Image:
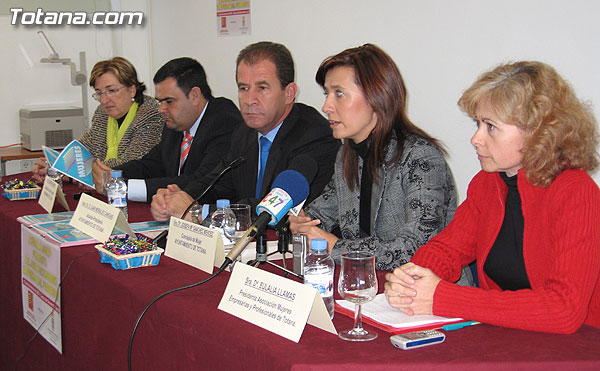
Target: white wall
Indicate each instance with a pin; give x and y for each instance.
(440, 47)
(26, 81)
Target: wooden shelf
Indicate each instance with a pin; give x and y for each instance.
(18, 153)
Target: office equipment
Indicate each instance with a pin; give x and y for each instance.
(53, 127)
(56, 127)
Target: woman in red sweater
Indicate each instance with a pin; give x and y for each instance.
(531, 218)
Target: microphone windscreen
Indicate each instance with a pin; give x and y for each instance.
(294, 183)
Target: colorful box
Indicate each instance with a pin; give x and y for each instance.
(22, 193)
(142, 259)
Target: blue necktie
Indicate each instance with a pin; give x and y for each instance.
(265, 146)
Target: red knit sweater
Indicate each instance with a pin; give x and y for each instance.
(561, 249)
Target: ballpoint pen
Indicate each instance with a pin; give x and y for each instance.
(456, 326)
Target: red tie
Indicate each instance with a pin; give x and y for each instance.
(186, 143)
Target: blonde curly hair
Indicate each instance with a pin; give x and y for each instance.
(559, 130)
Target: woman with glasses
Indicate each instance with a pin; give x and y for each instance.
(126, 124)
(392, 189)
(531, 218)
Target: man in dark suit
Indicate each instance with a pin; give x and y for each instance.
(197, 134)
(279, 134)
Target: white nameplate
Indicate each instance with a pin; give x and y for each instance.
(195, 245)
(98, 219)
(50, 191)
(274, 303)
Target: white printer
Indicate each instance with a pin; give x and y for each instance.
(52, 127)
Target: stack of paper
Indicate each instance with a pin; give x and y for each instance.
(56, 228)
(29, 220)
(379, 313)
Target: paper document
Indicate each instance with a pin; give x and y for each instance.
(379, 310)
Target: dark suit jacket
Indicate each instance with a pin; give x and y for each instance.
(304, 135)
(211, 143)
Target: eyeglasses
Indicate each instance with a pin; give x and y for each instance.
(108, 92)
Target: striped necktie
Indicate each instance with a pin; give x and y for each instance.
(186, 144)
(265, 146)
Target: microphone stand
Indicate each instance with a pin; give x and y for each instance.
(233, 164)
(283, 234)
(296, 188)
(163, 235)
(283, 238)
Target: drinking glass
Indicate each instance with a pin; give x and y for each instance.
(242, 221)
(358, 285)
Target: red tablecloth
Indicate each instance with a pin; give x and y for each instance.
(185, 330)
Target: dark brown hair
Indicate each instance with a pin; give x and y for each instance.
(383, 87)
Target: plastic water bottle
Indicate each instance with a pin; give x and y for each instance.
(53, 174)
(318, 272)
(223, 220)
(116, 190)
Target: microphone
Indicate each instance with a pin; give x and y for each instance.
(290, 188)
(158, 239)
(231, 165)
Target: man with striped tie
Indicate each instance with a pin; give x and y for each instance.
(197, 134)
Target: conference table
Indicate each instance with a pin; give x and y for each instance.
(186, 331)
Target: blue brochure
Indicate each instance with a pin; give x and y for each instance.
(75, 161)
(51, 154)
(56, 228)
(30, 220)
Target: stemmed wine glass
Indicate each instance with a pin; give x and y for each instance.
(242, 221)
(358, 285)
